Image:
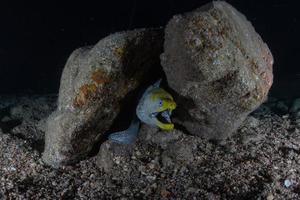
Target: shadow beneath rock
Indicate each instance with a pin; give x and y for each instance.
(122, 121)
(182, 128)
(8, 125)
(128, 107)
(184, 104)
(38, 145)
(5, 112)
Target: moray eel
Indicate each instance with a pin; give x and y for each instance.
(154, 108)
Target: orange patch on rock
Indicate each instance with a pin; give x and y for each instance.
(100, 77)
(85, 92)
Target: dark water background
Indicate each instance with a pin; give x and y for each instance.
(37, 38)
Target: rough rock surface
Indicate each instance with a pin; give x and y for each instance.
(260, 162)
(218, 66)
(94, 82)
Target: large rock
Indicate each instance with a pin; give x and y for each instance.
(218, 66)
(94, 81)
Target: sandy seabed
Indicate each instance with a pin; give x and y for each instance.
(261, 161)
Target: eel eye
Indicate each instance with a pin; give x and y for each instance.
(160, 102)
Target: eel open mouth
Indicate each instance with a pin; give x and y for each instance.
(164, 119)
(164, 116)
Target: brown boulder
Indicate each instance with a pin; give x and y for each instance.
(218, 66)
(94, 81)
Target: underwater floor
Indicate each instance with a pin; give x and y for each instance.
(261, 161)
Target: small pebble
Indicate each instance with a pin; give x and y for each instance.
(287, 183)
(270, 197)
(165, 193)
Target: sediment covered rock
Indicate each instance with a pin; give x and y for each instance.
(218, 66)
(93, 84)
(174, 147)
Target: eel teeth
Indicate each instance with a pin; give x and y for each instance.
(152, 115)
(166, 114)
